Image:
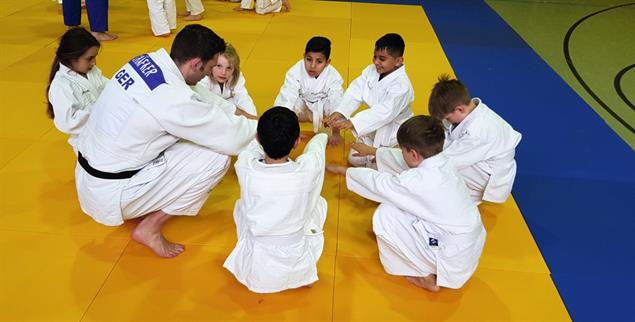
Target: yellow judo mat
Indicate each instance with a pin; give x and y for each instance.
(56, 264)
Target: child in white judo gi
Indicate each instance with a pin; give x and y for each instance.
(227, 81)
(263, 6)
(153, 148)
(427, 227)
(74, 82)
(385, 88)
(193, 10)
(280, 214)
(478, 141)
(162, 16)
(313, 87)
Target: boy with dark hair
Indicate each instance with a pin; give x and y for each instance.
(478, 141)
(313, 87)
(427, 228)
(152, 147)
(280, 214)
(385, 88)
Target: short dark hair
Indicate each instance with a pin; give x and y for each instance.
(447, 94)
(319, 44)
(278, 129)
(423, 134)
(196, 41)
(392, 43)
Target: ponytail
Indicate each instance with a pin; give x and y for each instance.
(54, 68)
(74, 43)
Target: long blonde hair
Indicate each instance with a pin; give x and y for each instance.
(233, 58)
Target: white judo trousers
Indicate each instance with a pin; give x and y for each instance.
(389, 102)
(262, 6)
(72, 96)
(483, 147)
(148, 119)
(162, 16)
(279, 219)
(194, 7)
(426, 222)
(320, 95)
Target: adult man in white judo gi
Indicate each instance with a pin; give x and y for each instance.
(153, 147)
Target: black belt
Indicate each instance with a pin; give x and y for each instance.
(103, 175)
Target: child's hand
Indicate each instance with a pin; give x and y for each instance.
(333, 118)
(335, 139)
(304, 137)
(363, 149)
(240, 112)
(336, 168)
(342, 125)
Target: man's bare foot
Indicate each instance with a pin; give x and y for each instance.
(183, 14)
(286, 5)
(193, 17)
(103, 36)
(148, 232)
(428, 283)
(239, 8)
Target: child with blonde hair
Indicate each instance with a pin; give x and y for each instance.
(227, 81)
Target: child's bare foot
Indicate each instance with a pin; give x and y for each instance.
(193, 17)
(305, 116)
(103, 36)
(428, 283)
(286, 5)
(148, 232)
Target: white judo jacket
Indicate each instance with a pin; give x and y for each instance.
(144, 109)
(237, 95)
(389, 104)
(483, 147)
(72, 96)
(436, 203)
(320, 95)
(279, 217)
